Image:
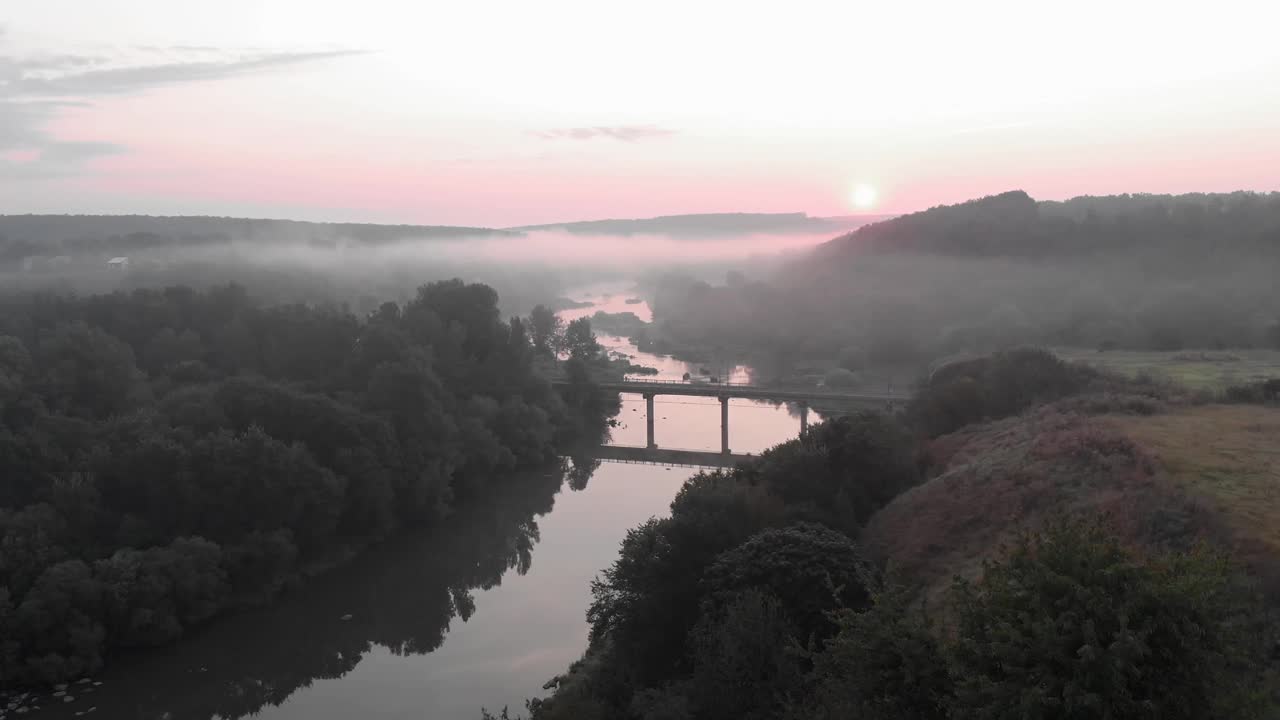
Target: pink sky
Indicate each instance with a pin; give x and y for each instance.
(570, 110)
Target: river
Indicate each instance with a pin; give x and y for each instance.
(480, 612)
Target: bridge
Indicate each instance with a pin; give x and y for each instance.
(650, 388)
(665, 456)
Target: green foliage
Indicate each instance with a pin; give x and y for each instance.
(1071, 625)
(546, 330)
(674, 572)
(142, 497)
(884, 663)
(744, 658)
(647, 601)
(710, 612)
(841, 471)
(810, 569)
(84, 370)
(1259, 393)
(580, 342)
(993, 387)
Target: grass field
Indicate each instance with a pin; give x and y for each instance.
(1196, 472)
(1227, 456)
(1209, 370)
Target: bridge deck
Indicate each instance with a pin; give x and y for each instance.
(748, 392)
(665, 456)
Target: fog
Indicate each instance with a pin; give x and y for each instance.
(1140, 272)
(280, 264)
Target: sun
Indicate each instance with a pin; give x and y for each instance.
(863, 196)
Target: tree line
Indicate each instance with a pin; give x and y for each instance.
(169, 454)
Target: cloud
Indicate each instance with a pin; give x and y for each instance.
(625, 133)
(134, 78)
(34, 89)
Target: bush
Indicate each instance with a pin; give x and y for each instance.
(812, 570)
(1071, 625)
(840, 472)
(744, 663)
(993, 387)
(884, 664)
(1258, 393)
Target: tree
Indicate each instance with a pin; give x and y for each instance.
(1070, 624)
(580, 342)
(744, 658)
(842, 471)
(545, 328)
(810, 569)
(884, 663)
(85, 371)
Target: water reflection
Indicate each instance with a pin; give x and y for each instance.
(401, 598)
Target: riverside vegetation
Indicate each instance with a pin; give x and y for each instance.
(1007, 548)
(168, 455)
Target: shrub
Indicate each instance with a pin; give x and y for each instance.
(1266, 391)
(743, 660)
(883, 664)
(993, 387)
(1071, 625)
(840, 472)
(810, 569)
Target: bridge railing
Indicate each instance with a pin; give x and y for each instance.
(640, 380)
(643, 380)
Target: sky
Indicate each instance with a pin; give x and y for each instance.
(506, 113)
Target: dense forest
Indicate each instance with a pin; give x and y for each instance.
(799, 584)
(168, 454)
(1129, 271)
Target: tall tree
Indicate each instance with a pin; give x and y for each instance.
(545, 327)
(580, 342)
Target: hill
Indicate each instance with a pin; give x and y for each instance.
(1015, 225)
(1182, 474)
(28, 235)
(712, 225)
(1133, 272)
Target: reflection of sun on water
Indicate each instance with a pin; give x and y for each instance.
(863, 196)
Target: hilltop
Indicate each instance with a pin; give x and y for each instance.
(1013, 224)
(1132, 272)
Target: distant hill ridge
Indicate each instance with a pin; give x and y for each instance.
(1014, 224)
(33, 235)
(711, 224)
(81, 232)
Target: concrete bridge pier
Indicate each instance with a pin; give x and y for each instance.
(648, 420)
(724, 424)
(804, 417)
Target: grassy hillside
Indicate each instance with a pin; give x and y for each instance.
(1166, 476)
(1227, 459)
